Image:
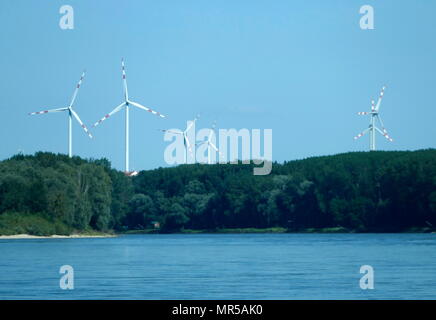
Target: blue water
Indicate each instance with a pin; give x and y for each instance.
(213, 266)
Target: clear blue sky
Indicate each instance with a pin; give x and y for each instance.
(302, 68)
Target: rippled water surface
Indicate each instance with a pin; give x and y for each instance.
(221, 266)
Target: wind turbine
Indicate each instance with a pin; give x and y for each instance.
(127, 102)
(372, 128)
(71, 113)
(210, 144)
(186, 143)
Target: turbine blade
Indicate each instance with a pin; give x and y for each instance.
(382, 92)
(381, 122)
(77, 88)
(109, 114)
(81, 123)
(388, 137)
(146, 109)
(385, 134)
(188, 144)
(212, 131)
(361, 134)
(215, 148)
(171, 131)
(48, 111)
(192, 123)
(362, 113)
(123, 70)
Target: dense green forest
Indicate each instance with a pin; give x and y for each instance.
(378, 191)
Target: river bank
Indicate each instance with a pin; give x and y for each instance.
(191, 231)
(273, 230)
(57, 236)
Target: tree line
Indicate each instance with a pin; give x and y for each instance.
(382, 191)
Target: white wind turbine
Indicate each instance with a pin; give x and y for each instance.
(71, 113)
(186, 142)
(372, 128)
(210, 144)
(127, 102)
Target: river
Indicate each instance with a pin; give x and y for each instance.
(221, 266)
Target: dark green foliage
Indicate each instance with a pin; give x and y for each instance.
(35, 224)
(72, 192)
(361, 191)
(175, 219)
(142, 212)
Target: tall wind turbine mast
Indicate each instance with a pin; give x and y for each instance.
(126, 104)
(71, 114)
(372, 128)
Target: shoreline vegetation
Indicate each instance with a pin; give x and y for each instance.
(278, 230)
(271, 230)
(49, 194)
(56, 236)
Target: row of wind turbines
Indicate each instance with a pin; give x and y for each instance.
(127, 103)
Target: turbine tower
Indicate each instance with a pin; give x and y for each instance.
(71, 114)
(372, 128)
(210, 144)
(126, 104)
(186, 143)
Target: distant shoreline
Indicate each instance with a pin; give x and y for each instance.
(272, 230)
(218, 231)
(55, 236)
